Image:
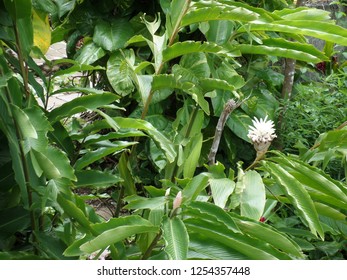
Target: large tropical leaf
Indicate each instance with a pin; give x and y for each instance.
(12, 220)
(268, 234)
(113, 35)
(298, 196)
(202, 247)
(318, 29)
(222, 12)
(117, 230)
(252, 199)
(71, 209)
(100, 153)
(176, 238)
(54, 163)
(221, 189)
(95, 179)
(284, 48)
(252, 248)
(18, 8)
(81, 104)
(42, 31)
(120, 71)
(181, 48)
(313, 177)
(90, 53)
(162, 142)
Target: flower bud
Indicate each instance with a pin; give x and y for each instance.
(177, 201)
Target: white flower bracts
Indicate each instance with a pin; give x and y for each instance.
(261, 134)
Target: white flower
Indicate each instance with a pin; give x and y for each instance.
(262, 131)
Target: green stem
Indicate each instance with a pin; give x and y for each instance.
(154, 243)
(23, 68)
(49, 84)
(119, 202)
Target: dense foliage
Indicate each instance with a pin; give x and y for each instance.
(160, 134)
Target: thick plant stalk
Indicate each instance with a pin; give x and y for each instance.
(230, 106)
(289, 71)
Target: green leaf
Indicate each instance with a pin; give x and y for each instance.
(81, 104)
(253, 196)
(76, 213)
(144, 86)
(76, 68)
(51, 246)
(18, 8)
(298, 196)
(24, 123)
(202, 247)
(318, 29)
(54, 164)
(192, 154)
(330, 212)
(210, 84)
(335, 139)
(100, 153)
(209, 212)
(162, 142)
(270, 235)
(5, 78)
(121, 133)
(125, 173)
(74, 248)
(117, 230)
(195, 187)
(176, 238)
(64, 6)
(181, 48)
(80, 89)
(113, 35)
(221, 189)
(139, 202)
(96, 179)
(218, 31)
(252, 248)
(12, 220)
(223, 12)
(239, 123)
(283, 48)
(303, 13)
(61, 137)
(178, 9)
(120, 71)
(90, 53)
(314, 178)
